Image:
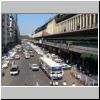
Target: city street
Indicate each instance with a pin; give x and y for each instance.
(26, 75)
(61, 50)
(32, 78)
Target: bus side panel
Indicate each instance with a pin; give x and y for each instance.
(45, 71)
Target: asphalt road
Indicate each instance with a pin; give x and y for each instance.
(26, 76)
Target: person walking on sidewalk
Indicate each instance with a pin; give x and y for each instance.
(64, 83)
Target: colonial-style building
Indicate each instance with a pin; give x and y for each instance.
(73, 35)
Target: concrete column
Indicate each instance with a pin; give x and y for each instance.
(80, 22)
(62, 27)
(59, 28)
(56, 29)
(72, 24)
(66, 26)
(69, 25)
(83, 21)
(94, 20)
(71, 57)
(90, 21)
(86, 20)
(75, 23)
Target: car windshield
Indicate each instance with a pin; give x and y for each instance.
(34, 65)
(14, 69)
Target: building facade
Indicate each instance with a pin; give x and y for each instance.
(72, 36)
(10, 30)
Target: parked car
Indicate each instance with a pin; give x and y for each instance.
(31, 54)
(5, 64)
(34, 66)
(14, 70)
(65, 66)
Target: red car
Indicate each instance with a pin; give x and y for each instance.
(31, 54)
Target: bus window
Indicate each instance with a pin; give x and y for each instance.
(56, 68)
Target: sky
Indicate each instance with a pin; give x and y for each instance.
(29, 22)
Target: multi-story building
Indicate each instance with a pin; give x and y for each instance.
(10, 31)
(73, 37)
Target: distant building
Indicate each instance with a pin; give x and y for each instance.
(10, 30)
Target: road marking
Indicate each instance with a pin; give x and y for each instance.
(37, 84)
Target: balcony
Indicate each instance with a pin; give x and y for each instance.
(10, 29)
(3, 24)
(3, 17)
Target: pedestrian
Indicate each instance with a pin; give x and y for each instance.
(51, 83)
(79, 77)
(65, 83)
(67, 61)
(73, 84)
(56, 83)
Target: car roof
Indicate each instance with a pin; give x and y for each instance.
(34, 64)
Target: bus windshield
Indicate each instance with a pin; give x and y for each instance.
(56, 68)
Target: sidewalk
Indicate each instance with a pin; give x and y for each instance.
(83, 78)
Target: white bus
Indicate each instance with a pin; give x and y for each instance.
(52, 69)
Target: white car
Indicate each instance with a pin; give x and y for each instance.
(5, 64)
(27, 56)
(34, 66)
(65, 66)
(41, 53)
(14, 70)
(17, 56)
